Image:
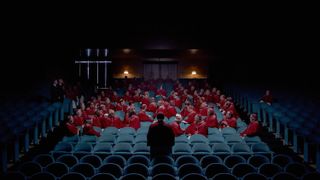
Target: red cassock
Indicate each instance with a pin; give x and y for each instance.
(171, 111)
(127, 98)
(190, 117)
(133, 122)
(232, 122)
(252, 129)
(145, 100)
(212, 122)
(176, 129)
(78, 120)
(88, 130)
(144, 117)
(267, 98)
(178, 103)
(203, 111)
(96, 121)
(152, 107)
(72, 129)
(200, 128)
(184, 112)
(216, 98)
(137, 98)
(113, 122)
(161, 92)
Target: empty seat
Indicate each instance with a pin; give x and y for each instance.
(162, 159)
(215, 168)
(164, 176)
(224, 176)
(215, 138)
(137, 168)
(201, 149)
(186, 159)
(117, 159)
(284, 175)
(232, 160)
(43, 176)
(214, 131)
(269, 169)
(252, 139)
(73, 176)
(142, 131)
(233, 139)
(192, 176)
(30, 168)
(261, 148)
(311, 176)
(258, 160)
(82, 149)
(68, 159)
(107, 139)
(111, 168)
(138, 159)
(102, 149)
(88, 139)
(131, 176)
(110, 130)
(84, 168)
(43, 159)
(241, 149)
(281, 159)
(127, 131)
(71, 139)
(94, 160)
(103, 176)
(15, 175)
(125, 138)
(141, 148)
(141, 138)
(58, 169)
(296, 169)
(208, 159)
(181, 139)
(62, 148)
(189, 168)
(228, 131)
(221, 149)
(242, 169)
(198, 138)
(123, 149)
(181, 149)
(163, 168)
(254, 176)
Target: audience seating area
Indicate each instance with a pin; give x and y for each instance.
(293, 118)
(123, 153)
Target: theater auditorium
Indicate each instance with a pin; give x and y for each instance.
(237, 100)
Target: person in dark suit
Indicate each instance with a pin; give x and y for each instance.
(160, 138)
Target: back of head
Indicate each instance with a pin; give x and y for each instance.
(160, 118)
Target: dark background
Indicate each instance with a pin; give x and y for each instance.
(275, 48)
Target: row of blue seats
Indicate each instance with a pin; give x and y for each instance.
(91, 165)
(28, 127)
(196, 138)
(299, 118)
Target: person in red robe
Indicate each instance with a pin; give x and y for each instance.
(267, 98)
(132, 120)
(253, 128)
(71, 127)
(89, 130)
(112, 120)
(152, 107)
(78, 119)
(211, 120)
(203, 111)
(175, 126)
(197, 127)
(143, 116)
(228, 121)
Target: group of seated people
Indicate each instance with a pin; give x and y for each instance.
(197, 110)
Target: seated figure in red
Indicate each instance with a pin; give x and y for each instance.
(253, 128)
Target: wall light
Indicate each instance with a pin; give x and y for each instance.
(125, 72)
(193, 51)
(127, 50)
(193, 72)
